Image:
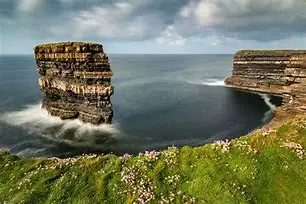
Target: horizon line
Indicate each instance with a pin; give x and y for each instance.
(137, 53)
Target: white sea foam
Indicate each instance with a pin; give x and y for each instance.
(207, 82)
(267, 99)
(34, 119)
(268, 114)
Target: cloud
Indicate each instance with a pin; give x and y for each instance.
(170, 37)
(117, 20)
(29, 5)
(167, 23)
(261, 20)
(66, 2)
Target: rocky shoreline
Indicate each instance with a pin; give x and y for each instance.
(276, 72)
(76, 80)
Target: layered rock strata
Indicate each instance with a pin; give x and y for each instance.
(76, 80)
(279, 72)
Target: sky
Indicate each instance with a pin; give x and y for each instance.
(154, 26)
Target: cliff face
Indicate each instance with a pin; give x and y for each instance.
(76, 79)
(281, 72)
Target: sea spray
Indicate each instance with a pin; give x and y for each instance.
(269, 114)
(207, 82)
(37, 121)
(267, 100)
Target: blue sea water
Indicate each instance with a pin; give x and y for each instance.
(159, 101)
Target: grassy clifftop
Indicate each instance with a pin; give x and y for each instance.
(269, 52)
(266, 166)
(55, 44)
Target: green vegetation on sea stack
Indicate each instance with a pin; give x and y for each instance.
(267, 166)
(265, 52)
(47, 45)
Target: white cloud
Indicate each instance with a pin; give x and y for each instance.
(207, 13)
(221, 40)
(66, 2)
(173, 23)
(261, 20)
(117, 20)
(29, 6)
(170, 37)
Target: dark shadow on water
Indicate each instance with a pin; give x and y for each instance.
(152, 108)
(196, 122)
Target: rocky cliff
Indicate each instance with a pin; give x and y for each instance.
(76, 80)
(280, 72)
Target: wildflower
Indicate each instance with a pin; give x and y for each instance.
(170, 155)
(138, 184)
(245, 146)
(125, 157)
(225, 145)
(173, 179)
(297, 148)
(4, 150)
(152, 156)
(302, 125)
(65, 161)
(266, 131)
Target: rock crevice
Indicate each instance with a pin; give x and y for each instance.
(76, 80)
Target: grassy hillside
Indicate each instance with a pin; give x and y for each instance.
(267, 166)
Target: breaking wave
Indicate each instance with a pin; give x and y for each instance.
(207, 82)
(36, 121)
(269, 114)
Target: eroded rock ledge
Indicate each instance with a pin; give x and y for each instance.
(76, 79)
(280, 72)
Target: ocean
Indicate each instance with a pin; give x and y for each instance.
(159, 101)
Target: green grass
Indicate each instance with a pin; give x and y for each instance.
(257, 168)
(55, 44)
(270, 51)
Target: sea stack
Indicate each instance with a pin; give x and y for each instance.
(76, 80)
(279, 72)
